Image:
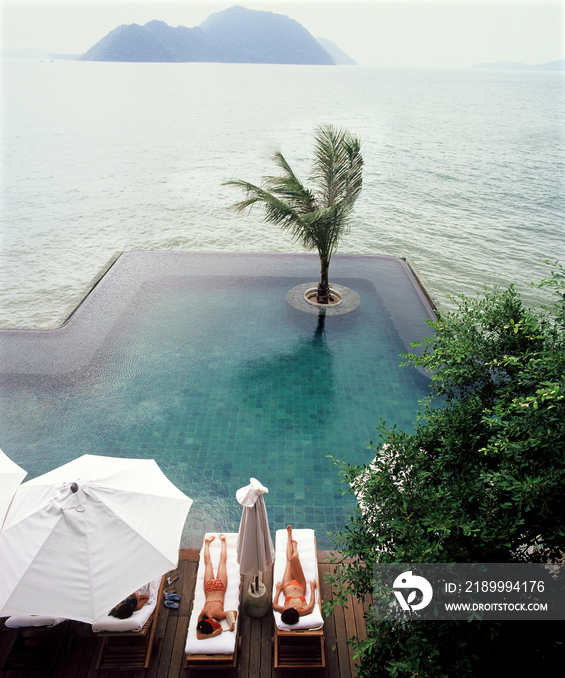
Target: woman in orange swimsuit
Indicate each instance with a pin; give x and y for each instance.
(215, 589)
(293, 586)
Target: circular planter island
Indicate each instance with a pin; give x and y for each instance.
(303, 298)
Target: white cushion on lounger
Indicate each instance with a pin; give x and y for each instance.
(224, 643)
(309, 561)
(138, 619)
(23, 621)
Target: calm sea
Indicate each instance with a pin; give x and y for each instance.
(464, 169)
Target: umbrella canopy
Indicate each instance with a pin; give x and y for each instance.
(79, 539)
(254, 549)
(11, 475)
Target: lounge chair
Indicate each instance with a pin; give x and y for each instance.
(302, 644)
(36, 642)
(128, 643)
(219, 652)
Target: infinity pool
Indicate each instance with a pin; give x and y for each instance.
(198, 361)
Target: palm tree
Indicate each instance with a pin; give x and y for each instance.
(320, 217)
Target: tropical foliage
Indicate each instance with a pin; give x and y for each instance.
(319, 217)
(481, 478)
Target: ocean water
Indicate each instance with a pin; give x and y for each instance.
(464, 176)
(464, 170)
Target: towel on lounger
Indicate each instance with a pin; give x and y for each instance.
(138, 619)
(224, 643)
(25, 621)
(309, 560)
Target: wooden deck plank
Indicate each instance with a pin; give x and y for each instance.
(161, 669)
(245, 641)
(79, 652)
(361, 607)
(256, 651)
(267, 630)
(160, 635)
(176, 667)
(82, 650)
(350, 626)
(89, 662)
(332, 659)
(341, 639)
(344, 620)
(188, 567)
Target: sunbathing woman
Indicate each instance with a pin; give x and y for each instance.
(215, 589)
(131, 604)
(293, 586)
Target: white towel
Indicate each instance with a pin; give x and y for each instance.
(309, 560)
(224, 643)
(24, 621)
(137, 620)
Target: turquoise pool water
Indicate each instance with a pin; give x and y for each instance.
(199, 362)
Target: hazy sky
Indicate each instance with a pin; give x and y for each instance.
(385, 33)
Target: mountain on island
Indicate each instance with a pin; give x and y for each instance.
(339, 57)
(516, 66)
(235, 35)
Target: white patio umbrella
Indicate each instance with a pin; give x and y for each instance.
(254, 548)
(11, 475)
(79, 539)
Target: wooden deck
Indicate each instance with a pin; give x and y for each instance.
(76, 657)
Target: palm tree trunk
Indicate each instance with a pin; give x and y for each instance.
(323, 296)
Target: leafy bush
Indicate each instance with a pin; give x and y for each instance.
(480, 479)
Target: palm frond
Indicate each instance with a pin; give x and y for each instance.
(319, 218)
(277, 211)
(289, 187)
(338, 166)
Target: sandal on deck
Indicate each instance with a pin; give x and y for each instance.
(172, 596)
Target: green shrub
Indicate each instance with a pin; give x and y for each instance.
(480, 479)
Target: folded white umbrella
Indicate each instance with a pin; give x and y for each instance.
(11, 475)
(254, 549)
(79, 539)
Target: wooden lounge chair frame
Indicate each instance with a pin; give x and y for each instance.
(125, 654)
(301, 648)
(36, 647)
(214, 661)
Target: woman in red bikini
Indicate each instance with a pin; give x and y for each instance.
(293, 586)
(215, 589)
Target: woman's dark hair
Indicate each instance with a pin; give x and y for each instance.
(290, 616)
(125, 609)
(204, 626)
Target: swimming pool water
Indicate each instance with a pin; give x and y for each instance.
(201, 364)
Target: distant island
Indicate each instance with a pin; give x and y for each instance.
(339, 57)
(235, 35)
(515, 66)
